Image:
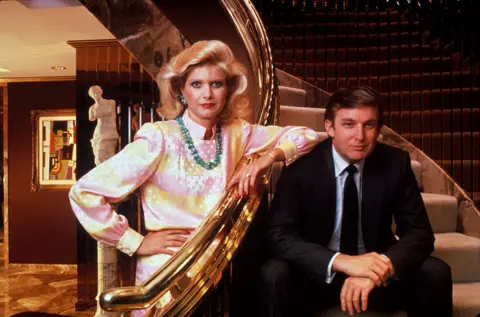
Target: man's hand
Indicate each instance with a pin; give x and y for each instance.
(156, 242)
(354, 294)
(372, 265)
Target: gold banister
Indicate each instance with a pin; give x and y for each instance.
(222, 231)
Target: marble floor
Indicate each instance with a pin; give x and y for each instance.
(45, 289)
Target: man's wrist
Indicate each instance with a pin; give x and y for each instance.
(338, 264)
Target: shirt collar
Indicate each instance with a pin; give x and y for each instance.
(196, 130)
(341, 164)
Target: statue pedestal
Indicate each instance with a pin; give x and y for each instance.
(107, 274)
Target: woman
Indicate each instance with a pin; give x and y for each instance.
(182, 165)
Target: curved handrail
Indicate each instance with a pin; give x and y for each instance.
(221, 232)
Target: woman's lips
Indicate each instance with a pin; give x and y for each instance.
(207, 105)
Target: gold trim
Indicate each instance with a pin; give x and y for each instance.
(94, 43)
(35, 115)
(254, 35)
(5, 175)
(37, 79)
(63, 268)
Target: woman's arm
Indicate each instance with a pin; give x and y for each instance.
(91, 113)
(111, 182)
(293, 141)
(274, 144)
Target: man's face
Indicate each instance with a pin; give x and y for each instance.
(354, 132)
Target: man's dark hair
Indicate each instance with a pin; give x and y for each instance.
(354, 97)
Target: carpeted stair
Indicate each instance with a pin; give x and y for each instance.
(461, 252)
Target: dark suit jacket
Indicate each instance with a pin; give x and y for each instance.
(302, 215)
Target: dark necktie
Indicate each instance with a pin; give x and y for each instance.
(349, 234)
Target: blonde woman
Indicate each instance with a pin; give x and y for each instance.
(183, 166)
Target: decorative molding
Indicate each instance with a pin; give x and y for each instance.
(94, 43)
(5, 174)
(63, 268)
(36, 79)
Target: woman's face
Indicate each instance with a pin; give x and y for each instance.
(205, 90)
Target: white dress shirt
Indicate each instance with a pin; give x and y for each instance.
(340, 178)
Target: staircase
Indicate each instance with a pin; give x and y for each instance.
(460, 251)
(431, 94)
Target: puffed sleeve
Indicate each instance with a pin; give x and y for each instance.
(111, 182)
(294, 141)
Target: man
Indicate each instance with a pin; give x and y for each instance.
(330, 225)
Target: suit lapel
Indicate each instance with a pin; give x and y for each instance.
(325, 193)
(372, 193)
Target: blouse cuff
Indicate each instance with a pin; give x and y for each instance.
(290, 150)
(129, 242)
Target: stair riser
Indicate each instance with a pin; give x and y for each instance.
(466, 302)
(292, 97)
(442, 212)
(462, 263)
(309, 117)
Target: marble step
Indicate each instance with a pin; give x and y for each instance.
(466, 299)
(313, 118)
(462, 253)
(290, 96)
(417, 170)
(442, 211)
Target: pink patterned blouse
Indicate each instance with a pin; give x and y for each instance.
(175, 190)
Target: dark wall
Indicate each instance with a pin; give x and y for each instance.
(42, 227)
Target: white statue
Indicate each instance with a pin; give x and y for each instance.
(104, 144)
(105, 137)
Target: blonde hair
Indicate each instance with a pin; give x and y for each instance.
(172, 77)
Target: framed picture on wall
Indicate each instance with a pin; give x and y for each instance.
(54, 156)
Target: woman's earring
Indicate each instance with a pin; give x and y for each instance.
(182, 99)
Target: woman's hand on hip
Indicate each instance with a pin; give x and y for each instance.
(156, 242)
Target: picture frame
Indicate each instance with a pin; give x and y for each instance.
(54, 149)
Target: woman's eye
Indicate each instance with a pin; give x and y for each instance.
(195, 84)
(217, 84)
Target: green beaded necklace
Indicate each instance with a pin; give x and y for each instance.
(218, 155)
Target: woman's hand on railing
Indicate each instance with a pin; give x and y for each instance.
(156, 242)
(246, 178)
